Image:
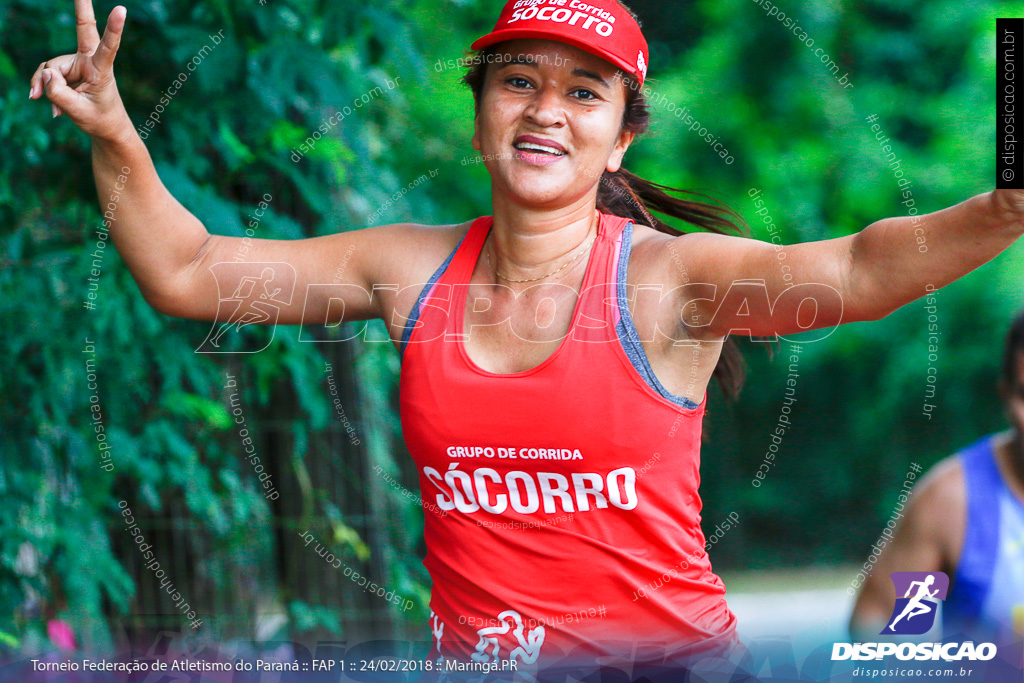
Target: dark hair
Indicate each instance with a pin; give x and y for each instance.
(1014, 347)
(625, 194)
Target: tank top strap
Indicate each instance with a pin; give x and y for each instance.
(599, 308)
(984, 488)
(611, 226)
(461, 268)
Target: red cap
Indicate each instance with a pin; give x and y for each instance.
(601, 27)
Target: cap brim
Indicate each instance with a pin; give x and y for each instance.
(520, 33)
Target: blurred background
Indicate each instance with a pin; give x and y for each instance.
(69, 574)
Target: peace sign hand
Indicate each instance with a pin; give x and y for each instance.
(82, 85)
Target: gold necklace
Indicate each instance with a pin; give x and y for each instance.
(534, 279)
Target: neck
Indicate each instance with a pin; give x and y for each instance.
(528, 241)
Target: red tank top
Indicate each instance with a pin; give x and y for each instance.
(562, 517)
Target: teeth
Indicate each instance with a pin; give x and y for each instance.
(539, 148)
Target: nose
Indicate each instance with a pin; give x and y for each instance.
(545, 108)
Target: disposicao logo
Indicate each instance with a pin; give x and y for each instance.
(914, 613)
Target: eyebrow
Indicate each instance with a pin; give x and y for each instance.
(578, 71)
(589, 74)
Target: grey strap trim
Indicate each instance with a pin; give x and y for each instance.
(627, 333)
(415, 314)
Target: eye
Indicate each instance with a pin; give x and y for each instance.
(585, 94)
(518, 82)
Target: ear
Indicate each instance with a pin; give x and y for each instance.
(619, 151)
(475, 141)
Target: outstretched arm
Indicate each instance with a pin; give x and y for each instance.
(865, 276)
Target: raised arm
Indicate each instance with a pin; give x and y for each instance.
(168, 250)
(865, 276)
(171, 255)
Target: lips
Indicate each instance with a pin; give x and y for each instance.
(535, 145)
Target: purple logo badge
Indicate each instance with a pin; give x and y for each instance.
(914, 612)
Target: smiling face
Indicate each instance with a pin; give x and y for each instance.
(549, 122)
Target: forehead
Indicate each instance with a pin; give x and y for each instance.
(552, 53)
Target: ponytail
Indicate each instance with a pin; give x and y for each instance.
(630, 196)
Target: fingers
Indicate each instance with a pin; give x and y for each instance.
(85, 24)
(103, 59)
(35, 88)
(62, 96)
(62, 64)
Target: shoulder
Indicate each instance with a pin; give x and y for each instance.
(942, 486)
(411, 252)
(673, 263)
(645, 237)
(946, 484)
(650, 257)
(937, 508)
(415, 236)
(677, 258)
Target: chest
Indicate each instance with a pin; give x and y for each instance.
(514, 328)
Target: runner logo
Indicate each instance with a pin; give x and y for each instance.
(257, 293)
(523, 644)
(914, 613)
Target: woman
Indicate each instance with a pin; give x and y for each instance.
(561, 438)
